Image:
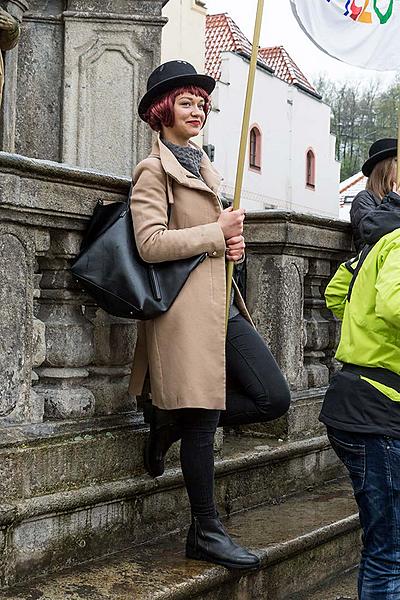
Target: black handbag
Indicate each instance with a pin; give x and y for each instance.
(111, 271)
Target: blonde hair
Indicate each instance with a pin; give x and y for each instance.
(381, 180)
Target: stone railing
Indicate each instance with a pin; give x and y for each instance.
(63, 358)
(291, 258)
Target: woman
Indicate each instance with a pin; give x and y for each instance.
(193, 366)
(381, 170)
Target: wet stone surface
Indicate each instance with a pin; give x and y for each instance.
(342, 588)
(159, 570)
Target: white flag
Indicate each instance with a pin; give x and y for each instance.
(364, 33)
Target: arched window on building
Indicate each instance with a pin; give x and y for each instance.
(310, 169)
(255, 149)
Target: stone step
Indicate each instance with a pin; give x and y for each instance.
(47, 532)
(343, 587)
(54, 457)
(302, 542)
(50, 457)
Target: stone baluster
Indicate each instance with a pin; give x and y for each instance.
(317, 321)
(21, 334)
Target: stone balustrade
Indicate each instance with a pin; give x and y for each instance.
(63, 358)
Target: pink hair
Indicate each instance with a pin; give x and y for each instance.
(161, 112)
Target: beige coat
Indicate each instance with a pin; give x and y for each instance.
(185, 347)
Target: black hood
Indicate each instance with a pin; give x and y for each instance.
(384, 219)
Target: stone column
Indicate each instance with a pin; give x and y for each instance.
(84, 66)
(275, 297)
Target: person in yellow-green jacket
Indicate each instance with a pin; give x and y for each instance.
(361, 409)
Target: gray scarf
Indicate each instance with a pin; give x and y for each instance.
(188, 156)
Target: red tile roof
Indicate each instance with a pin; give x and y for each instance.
(284, 67)
(223, 35)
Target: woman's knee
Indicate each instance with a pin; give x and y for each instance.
(275, 402)
(281, 401)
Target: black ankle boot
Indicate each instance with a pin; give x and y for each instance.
(207, 540)
(164, 431)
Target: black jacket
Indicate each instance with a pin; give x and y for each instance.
(362, 205)
(383, 220)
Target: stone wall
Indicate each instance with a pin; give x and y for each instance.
(76, 78)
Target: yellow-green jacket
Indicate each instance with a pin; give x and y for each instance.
(371, 320)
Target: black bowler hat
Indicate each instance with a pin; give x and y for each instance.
(379, 150)
(169, 76)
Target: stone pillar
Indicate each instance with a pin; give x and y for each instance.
(84, 66)
(275, 296)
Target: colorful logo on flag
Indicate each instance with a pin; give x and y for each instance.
(364, 33)
(368, 11)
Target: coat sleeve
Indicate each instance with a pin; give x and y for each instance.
(337, 290)
(361, 207)
(388, 289)
(155, 242)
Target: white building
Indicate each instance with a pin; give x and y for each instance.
(290, 160)
(184, 36)
(348, 190)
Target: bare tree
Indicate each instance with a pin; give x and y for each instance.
(360, 115)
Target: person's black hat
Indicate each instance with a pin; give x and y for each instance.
(379, 150)
(169, 76)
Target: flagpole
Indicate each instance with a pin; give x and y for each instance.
(244, 138)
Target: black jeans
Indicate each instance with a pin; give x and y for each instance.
(256, 392)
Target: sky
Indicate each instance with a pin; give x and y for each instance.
(280, 28)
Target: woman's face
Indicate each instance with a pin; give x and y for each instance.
(189, 118)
